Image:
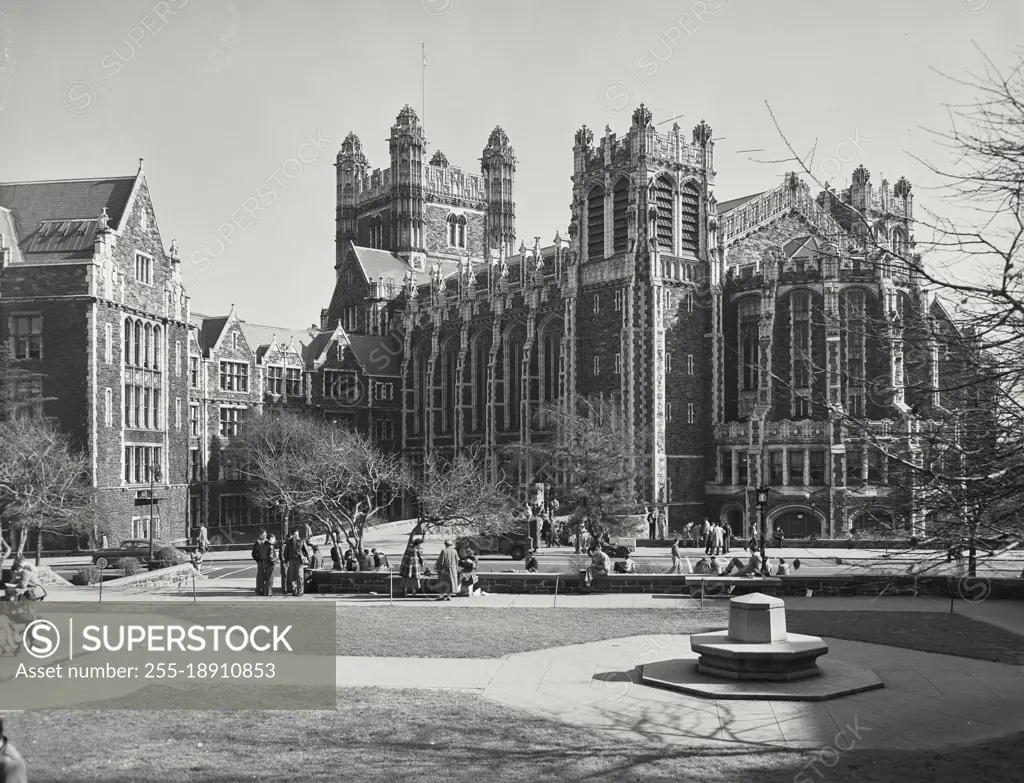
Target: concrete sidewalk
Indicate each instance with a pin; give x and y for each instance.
(1005, 614)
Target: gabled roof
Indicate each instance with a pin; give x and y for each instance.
(318, 345)
(726, 206)
(261, 337)
(377, 355)
(56, 220)
(796, 244)
(209, 330)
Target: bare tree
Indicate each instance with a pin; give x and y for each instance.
(598, 456)
(456, 497)
(43, 479)
(957, 447)
(329, 474)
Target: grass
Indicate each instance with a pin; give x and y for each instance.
(389, 735)
(455, 631)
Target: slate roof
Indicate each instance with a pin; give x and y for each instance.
(56, 220)
(377, 355)
(728, 206)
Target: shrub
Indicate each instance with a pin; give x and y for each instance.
(86, 576)
(131, 566)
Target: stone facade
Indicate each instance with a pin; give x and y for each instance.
(88, 263)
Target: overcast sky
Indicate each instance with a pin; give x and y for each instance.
(224, 98)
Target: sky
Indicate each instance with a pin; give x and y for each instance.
(223, 98)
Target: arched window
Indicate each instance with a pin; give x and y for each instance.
(661, 193)
(552, 365)
(147, 361)
(461, 233)
(800, 340)
(481, 357)
(514, 381)
(449, 390)
(139, 345)
(127, 347)
(595, 224)
(452, 234)
(620, 208)
(156, 348)
(689, 214)
(749, 337)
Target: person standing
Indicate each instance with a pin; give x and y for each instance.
(717, 539)
(268, 559)
(204, 538)
(706, 536)
(411, 569)
(296, 555)
(447, 571)
(652, 523)
(256, 550)
(726, 537)
(545, 531)
(779, 537)
(677, 558)
(662, 525)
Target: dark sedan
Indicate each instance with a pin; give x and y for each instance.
(138, 549)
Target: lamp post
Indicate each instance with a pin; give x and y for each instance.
(154, 474)
(762, 508)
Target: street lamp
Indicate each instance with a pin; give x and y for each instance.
(762, 508)
(154, 474)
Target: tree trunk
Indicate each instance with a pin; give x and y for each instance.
(972, 559)
(39, 547)
(284, 566)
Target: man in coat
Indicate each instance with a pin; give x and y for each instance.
(706, 536)
(296, 555)
(268, 559)
(411, 569)
(447, 571)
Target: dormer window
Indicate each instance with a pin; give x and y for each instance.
(457, 230)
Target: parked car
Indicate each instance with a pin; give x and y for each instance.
(138, 549)
(512, 544)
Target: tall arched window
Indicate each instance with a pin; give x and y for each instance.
(147, 360)
(595, 224)
(620, 209)
(156, 348)
(139, 345)
(514, 380)
(661, 193)
(689, 214)
(449, 390)
(481, 356)
(461, 234)
(128, 341)
(552, 365)
(800, 340)
(420, 386)
(749, 374)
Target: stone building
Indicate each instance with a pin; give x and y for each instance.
(748, 335)
(770, 340)
(92, 303)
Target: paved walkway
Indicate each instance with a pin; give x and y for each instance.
(929, 701)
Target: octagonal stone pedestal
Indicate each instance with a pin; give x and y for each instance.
(758, 659)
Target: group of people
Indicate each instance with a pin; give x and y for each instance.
(456, 572)
(657, 523)
(25, 584)
(542, 525)
(296, 555)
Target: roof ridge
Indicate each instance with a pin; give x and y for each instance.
(71, 179)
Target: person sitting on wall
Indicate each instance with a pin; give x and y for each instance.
(599, 565)
(702, 567)
(531, 561)
(752, 567)
(714, 567)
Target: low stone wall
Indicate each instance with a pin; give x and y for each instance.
(975, 589)
(162, 577)
(46, 575)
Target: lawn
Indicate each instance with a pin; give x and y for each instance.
(430, 735)
(467, 632)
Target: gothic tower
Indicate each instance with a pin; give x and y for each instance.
(407, 145)
(498, 166)
(352, 166)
